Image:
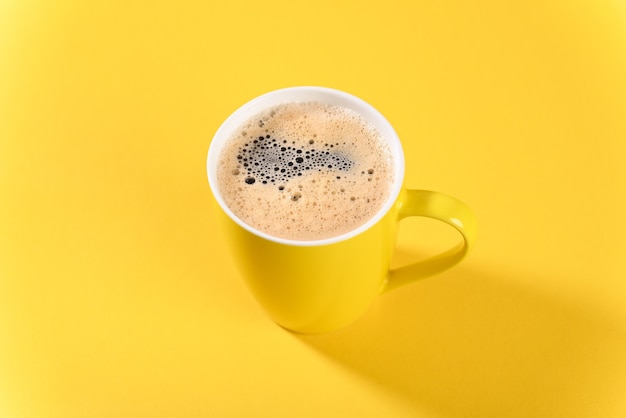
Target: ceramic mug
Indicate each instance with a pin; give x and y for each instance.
(323, 285)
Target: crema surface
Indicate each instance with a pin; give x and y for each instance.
(305, 171)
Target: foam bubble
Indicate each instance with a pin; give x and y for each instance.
(266, 159)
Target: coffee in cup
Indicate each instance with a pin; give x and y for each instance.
(336, 258)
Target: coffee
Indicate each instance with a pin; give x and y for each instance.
(305, 171)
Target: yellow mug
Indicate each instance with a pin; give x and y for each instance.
(324, 285)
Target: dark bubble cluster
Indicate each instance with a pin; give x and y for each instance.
(270, 160)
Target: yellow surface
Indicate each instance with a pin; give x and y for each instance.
(117, 297)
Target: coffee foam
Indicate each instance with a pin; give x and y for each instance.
(305, 171)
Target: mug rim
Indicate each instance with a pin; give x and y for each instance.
(307, 94)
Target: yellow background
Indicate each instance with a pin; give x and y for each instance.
(117, 298)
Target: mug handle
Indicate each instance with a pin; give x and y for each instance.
(443, 208)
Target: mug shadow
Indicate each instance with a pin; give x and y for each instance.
(473, 343)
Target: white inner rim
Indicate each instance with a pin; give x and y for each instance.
(307, 94)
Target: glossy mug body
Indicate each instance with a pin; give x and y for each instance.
(320, 286)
